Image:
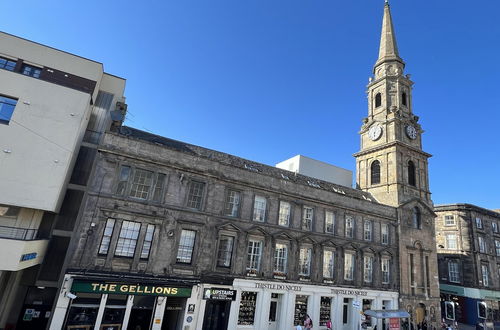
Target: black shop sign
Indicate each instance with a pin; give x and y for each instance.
(219, 294)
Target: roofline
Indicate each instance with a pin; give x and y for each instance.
(465, 206)
(62, 51)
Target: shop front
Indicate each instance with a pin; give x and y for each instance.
(114, 305)
(262, 305)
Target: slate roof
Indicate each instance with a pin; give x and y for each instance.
(245, 164)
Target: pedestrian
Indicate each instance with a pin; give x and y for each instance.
(329, 325)
(308, 323)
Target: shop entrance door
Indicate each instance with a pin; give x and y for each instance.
(274, 312)
(216, 315)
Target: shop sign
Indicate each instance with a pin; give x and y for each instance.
(350, 292)
(28, 256)
(356, 304)
(273, 286)
(393, 324)
(132, 289)
(219, 294)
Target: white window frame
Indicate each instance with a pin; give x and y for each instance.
(148, 241)
(449, 220)
(285, 212)
(225, 256)
(482, 244)
(349, 226)
(453, 271)
(497, 247)
(329, 222)
(280, 258)
(307, 218)
(106, 236)
(232, 205)
(259, 208)
(186, 245)
(349, 263)
(494, 226)
(485, 273)
(195, 194)
(368, 269)
(367, 230)
(385, 266)
(384, 229)
(479, 223)
(254, 255)
(127, 239)
(328, 264)
(305, 256)
(451, 241)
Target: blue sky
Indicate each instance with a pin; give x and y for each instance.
(269, 79)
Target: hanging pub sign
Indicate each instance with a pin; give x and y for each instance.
(219, 294)
(130, 289)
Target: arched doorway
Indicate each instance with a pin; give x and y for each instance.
(420, 313)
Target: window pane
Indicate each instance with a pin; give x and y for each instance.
(186, 245)
(305, 261)
(368, 269)
(368, 231)
(232, 203)
(259, 208)
(284, 214)
(453, 271)
(195, 195)
(225, 251)
(158, 191)
(307, 218)
(127, 239)
(7, 64)
(148, 239)
(328, 264)
(385, 234)
(329, 222)
(348, 266)
(106, 237)
(254, 253)
(349, 226)
(385, 271)
(141, 184)
(7, 106)
(280, 258)
(123, 179)
(248, 306)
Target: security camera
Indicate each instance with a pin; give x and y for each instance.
(70, 295)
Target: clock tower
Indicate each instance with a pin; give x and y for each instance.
(392, 166)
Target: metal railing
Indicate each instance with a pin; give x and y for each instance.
(18, 233)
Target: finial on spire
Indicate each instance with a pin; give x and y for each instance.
(388, 47)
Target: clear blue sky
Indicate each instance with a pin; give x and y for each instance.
(269, 79)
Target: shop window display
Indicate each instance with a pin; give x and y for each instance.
(248, 302)
(325, 310)
(114, 312)
(300, 309)
(83, 310)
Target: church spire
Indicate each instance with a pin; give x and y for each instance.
(388, 47)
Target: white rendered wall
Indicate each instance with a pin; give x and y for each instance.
(317, 169)
(39, 145)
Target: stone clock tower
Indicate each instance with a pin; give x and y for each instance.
(392, 166)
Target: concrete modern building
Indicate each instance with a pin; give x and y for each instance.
(468, 241)
(177, 236)
(53, 106)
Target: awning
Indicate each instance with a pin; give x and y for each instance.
(387, 313)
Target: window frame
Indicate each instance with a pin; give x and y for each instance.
(307, 218)
(122, 237)
(453, 274)
(447, 218)
(349, 229)
(147, 240)
(228, 254)
(479, 223)
(485, 275)
(262, 211)
(108, 236)
(352, 259)
(368, 230)
(231, 204)
(416, 218)
(9, 102)
(482, 244)
(251, 257)
(375, 173)
(412, 174)
(282, 215)
(385, 241)
(494, 226)
(385, 262)
(32, 71)
(191, 247)
(125, 180)
(195, 201)
(448, 241)
(331, 265)
(368, 271)
(280, 259)
(6, 66)
(305, 261)
(378, 100)
(330, 223)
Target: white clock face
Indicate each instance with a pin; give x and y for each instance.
(411, 132)
(375, 132)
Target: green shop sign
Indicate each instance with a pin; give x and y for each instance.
(130, 289)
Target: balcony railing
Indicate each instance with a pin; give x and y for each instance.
(18, 233)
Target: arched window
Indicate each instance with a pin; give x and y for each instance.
(375, 172)
(416, 221)
(378, 100)
(411, 174)
(403, 99)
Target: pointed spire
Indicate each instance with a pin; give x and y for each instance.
(388, 47)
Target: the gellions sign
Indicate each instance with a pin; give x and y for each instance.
(129, 289)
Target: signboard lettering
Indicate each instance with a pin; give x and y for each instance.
(136, 289)
(219, 294)
(350, 292)
(273, 286)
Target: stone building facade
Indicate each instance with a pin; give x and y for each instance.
(176, 236)
(468, 246)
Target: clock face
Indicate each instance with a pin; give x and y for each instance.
(411, 132)
(375, 132)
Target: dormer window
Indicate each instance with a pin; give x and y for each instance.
(404, 99)
(378, 100)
